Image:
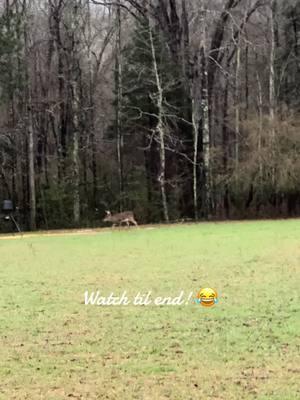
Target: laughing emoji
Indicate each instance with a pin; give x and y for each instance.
(207, 297)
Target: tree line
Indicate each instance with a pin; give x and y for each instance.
(176, 109)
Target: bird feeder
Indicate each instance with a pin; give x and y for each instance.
(8, 210)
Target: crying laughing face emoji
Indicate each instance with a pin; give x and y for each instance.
(207, 297)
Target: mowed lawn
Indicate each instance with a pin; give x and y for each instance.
(52, 346)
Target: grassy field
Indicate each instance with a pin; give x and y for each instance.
(53, 346)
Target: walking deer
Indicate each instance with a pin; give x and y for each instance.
(125, 216)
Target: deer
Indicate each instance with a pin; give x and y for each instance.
(125, 216)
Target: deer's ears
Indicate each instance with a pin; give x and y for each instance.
(107, 212)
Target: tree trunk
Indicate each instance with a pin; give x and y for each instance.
(237, 101)
(192, 89)
(31, 172)
(207, 196)
(29, 127)
(60, 133)
(246, 78)
(91, 122)
(225, 144)
(272, 71)
(160, 129)
(75, 158)
(75, 72)
(195, 122)
(118, 83)
(260, 128)
(272, 88)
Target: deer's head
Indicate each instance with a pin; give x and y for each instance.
(107, 217)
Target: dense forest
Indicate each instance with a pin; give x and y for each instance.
(175, 109)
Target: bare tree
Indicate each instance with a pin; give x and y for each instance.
(160, 127)
(118, 107)
(29, 120)
(207, 195)
(75, 9)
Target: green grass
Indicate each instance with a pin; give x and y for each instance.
(52, 346)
